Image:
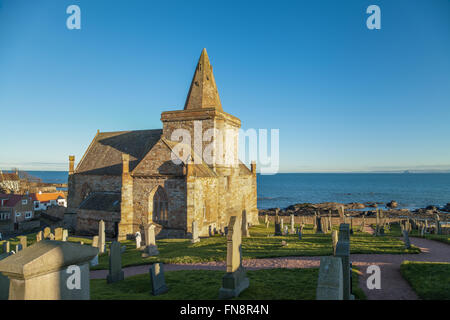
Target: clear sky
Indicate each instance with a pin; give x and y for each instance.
(344, 97)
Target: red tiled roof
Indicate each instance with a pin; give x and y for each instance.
(46, 197)
(11, 199)
(9, 177)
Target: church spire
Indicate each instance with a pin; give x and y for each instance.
(203, 91)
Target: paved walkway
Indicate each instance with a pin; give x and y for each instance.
(393, 286)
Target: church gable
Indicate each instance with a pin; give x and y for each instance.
(104, 155)
(158, 162)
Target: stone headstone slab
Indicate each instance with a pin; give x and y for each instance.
(115, 263)
(138, 239)
(58, 234)
(95, 241)
(157, 279)
(23, 241)
(4, 280)
(6, 247)
(235, 280)
(101, 236)
(330, 285)
(195, 237)
(47, 232)
(18, 247)
(39, 236)
(42, 271)
(65, 235)
(406, 239)
(94, 261)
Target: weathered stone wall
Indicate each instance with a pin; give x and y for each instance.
(88, 221)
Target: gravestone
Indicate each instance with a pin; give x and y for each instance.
(95, 242)
(51, 236)
(94, 261)
(437, 222)
(23, 241)
(245, 232)
(278, 229)
(282, 223)
(101, 236)
(343, 252)
(44, 270)
(150, 243)
(6, 247)
(319, 225)
(157, 279)
(330, 285)
(406, 239)
(267, 225)
(195, 237)
(18, 247)
(334, 239)
(47, 232)
(65, 235)
(58, 234)
(235, 280)
(266, 218)
(4, 281)
(39, 236)
(292, 230)
(138, 239)
(115, 263)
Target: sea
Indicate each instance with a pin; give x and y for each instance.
(410, 190)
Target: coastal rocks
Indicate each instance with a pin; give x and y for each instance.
(392, 204)
(446, 207)
(355, 205)
(371, 204)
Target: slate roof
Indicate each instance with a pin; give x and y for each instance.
(104, 155)
(9, 177)
(102, 201)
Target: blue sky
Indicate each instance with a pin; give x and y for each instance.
(344, 97)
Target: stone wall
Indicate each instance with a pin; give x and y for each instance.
(88, 221)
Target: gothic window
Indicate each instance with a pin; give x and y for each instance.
(160, 207)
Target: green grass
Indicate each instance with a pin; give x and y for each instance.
(396, 232)
(430, 280)
(261, 244)
(273, 284)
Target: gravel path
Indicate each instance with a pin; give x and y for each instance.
(393, 286)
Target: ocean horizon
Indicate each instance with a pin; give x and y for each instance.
(410, 190)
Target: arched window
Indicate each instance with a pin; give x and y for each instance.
(160, 207)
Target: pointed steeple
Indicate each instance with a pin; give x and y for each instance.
(203, 91)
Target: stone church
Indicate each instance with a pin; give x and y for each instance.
(130, 179)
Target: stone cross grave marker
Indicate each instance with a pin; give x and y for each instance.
(235, 280)
(157, 279)
(115, 263)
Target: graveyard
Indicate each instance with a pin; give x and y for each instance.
(267, 261)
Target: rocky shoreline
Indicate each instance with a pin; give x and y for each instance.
(355, 209)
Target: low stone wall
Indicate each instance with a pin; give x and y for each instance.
(29, 225)
(56, 211)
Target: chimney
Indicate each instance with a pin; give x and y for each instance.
(253, 167)
(71, 164)
(125, 163)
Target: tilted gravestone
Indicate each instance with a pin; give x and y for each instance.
(245, 232)
(23, 242)
(115, 263)
(343, 252)
(49, 270)
(150, 249)
(157, 279)
(195, 237)
(235, 280)
(330, 285)
(101, 236)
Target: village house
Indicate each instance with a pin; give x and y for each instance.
(129, 179)
(15, 209)
(41, 200)
(9, 182)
